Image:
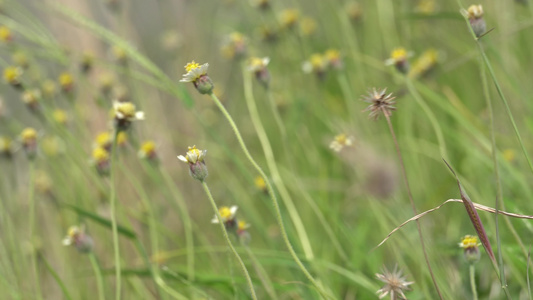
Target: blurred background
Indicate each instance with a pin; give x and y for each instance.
(335, 170)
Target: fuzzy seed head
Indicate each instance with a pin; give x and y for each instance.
(380, 102)
(395, 283)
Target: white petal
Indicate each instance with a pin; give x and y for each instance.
(214, 220)
(182, 158)
(233, 210)
(139, 115)
(67, 241)
(307, 67)
(266, 60)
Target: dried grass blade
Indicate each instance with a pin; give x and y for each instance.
(474, 217)
(477, 206)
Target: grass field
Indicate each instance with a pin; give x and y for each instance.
(275, 171)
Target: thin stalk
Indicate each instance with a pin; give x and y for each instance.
(56, 278)
(473, 281)
(112, 200)
(263, 275)
(276, 114)
(272, 195)
(98, 275)
(31, 221)
(230, 244)
(406, 181)
(271, 162)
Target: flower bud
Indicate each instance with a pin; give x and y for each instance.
(475, 17)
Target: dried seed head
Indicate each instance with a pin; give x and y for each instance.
(395, 283)
(380, 102)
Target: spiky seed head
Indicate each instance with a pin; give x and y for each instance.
(380, 102)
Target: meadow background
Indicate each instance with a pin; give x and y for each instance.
(336, 206)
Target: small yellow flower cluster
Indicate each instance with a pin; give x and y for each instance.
(260, 184)
(124, 113)
(469, 241)
(6, 146)
(289, 18)
(398, 58)
(197, 74)
(12, 76)
(77, 237)
(31, 99)
(228, 216)
(195, 159)
(60, 116)
(28, 139)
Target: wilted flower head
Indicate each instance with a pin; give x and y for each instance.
(234, 46)
(316, 64)
(259, 67)
(195, 159)
(475, 16)
(340, 142)
(289, 18)
(66, 82)
(227, 214)
(28, 138)
(197, 74)
(148, 151)
(12, 76)
(470, 244)
(395, 283)
(101, 160)
(380, 102)
(77, 237)
(398, 58)
(5, 34)
(124, 114)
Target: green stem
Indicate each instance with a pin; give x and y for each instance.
(98, 275)
(473, 281)
(410, 194)
(272, 197)
(112, 200)
(271, 162)
(31, 220)
(230, 244)
(56, 278)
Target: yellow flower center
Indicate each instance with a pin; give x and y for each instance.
(127, 109)
(194, 155)
(5, 33)
(475, 11)
(148, 147)
(100, 154)
(399, 54)
(12, 74)
(28, 135)
(341, 138)
(60, 116)
(225, 212)
(65, 79)
(317, 61)
(256, 62)
(469, 241)
(289, 17)
(332, 54)
(5, 144)
(242, 225)
(509, 155)
(260, 183)
(191, 66)
(103, 139)
(73, 231)
(122, 138)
